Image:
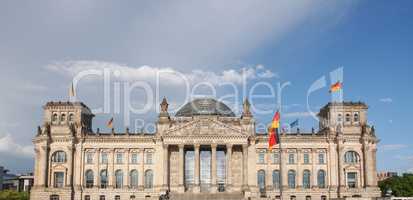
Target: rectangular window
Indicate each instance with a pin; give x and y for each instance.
(291, 159)
(89, 158)
(87, 197)
(306, 158)
(119, 158)
(134, 158)
(59, 179)
(104, 158)
(117, 197)
(102, 197)
(148, 158)
(352, 179)
(275, 158)
(261, 158)
(321, 158)
(54, 197)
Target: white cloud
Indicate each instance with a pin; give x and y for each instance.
(9, 146)
(392, 147)
(386, 100)
(167, 74)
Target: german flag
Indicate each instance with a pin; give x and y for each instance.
(110, 123)
(336, 87)
(273, 131)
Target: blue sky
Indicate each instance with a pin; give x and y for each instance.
(297, 42)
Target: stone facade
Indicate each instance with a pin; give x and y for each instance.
(73, 162)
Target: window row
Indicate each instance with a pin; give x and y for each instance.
(62, 118)
(120, 158)
(119, 175)
(275, 158)
(306, 179)
(349, 117)
(350, 157)
(87, 197)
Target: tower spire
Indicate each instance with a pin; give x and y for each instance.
(72, 93)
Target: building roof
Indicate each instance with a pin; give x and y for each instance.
(205, 106)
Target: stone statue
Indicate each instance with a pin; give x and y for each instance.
(246, 112)
(164, 105)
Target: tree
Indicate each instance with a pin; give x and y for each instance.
(13, 195)
(400, 186)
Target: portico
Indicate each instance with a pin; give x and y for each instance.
(206, 168)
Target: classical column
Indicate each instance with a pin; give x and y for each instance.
(69, 175)
(341, 172)
(126, 174)
(214, 167)
(111, 172)
(283, 170)
(245, 167)
(229, 170)
(142, 174)
(181, 167)
(314, 174)
(44, 169)
(165, 166)
(96, 170)
(197, 169)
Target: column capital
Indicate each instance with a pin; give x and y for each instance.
(165, 146)
(244, 146)
(197, 146)
(214, 146)
(229, 146)
(181, 146)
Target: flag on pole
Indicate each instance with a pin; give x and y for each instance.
(336, 87)
(273, 131)
(110, 123)
(294, 124)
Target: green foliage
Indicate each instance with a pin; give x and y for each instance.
(13, 195)
(402, 186)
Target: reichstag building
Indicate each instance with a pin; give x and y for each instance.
(204, 150)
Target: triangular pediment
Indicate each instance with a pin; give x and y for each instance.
(203, 127)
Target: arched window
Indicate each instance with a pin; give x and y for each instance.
(63, 118)
(261, 180)
(148, 178)
(306, 179)
(71, 117)
(89, 178)
(59, 157)
(356, 117)
(351, 157)
(119, 178)
(276, 179)
(103, 178)
(321, 179)
(133, 178)
(348, 118)
(55, 118)
(291, 179)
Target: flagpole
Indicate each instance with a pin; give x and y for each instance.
(280, 167)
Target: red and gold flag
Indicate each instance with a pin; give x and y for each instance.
(336, 87)
(273, 131)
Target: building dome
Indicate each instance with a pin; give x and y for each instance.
(204, 106)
